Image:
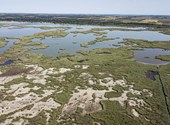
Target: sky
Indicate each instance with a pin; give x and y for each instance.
(139, 7)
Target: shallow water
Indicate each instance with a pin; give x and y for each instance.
(145, 35)
(11, 31)
(8, 62)
(147, 55)
(9, 44)
(71, 43)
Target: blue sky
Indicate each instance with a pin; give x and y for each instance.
(154, 7)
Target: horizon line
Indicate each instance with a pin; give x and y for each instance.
(87, 14)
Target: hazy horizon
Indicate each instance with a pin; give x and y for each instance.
(90, 14)
(107, 7)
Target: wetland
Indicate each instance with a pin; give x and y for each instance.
(82, 74)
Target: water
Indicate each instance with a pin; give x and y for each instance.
(8, 62)
(9, 44)
(11, 31)
(71, 43)
(147, 55)
(145, 35)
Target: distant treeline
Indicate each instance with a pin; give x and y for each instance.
(85, 19)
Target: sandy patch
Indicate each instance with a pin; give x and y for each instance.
(30, 99)
(61, 78)
(34, 111)
(108, 82)
(2, 88)
(21, 102)
(91, 82)
(24, 90)
(37, 108)
(19, 122)
(82, 99)
(85, 75)
(39, 75)
(64, 70)
(85, 66)
(149, 93)
(101, 73)
(135, 113)
(140, 102)
(77, 66)
(7, 79)
(89, 99)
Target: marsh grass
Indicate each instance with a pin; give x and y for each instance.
(163, 57)
(148, 44)
(3, 42)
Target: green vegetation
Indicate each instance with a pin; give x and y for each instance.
(163, 57)
(94, 31)
(42, 35)
(112, 94)
(83, 52)
(48, 28)
(45, 27)
(164, 30)
(9, 98)
(102, 31)
(85, 45)
(100, 39)
(3, 42)
(39, 120)
(25, 43)
(114, 114)
(110, 61)
(147, 44)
